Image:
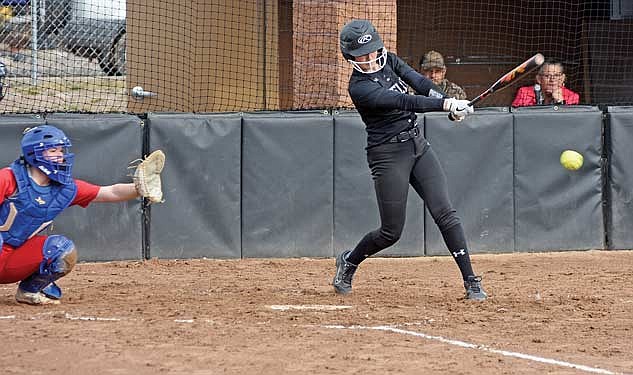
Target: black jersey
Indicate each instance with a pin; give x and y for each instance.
(383, 102)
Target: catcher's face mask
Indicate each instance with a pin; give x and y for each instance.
(36, 141)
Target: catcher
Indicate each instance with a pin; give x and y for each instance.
(36, 188)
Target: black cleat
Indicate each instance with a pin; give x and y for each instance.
(344, 273)
(474, 291)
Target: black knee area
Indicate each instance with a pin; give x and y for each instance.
(386, 238)
(447, 219)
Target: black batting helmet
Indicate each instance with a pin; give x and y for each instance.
(358, 38)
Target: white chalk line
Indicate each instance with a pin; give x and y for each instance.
(91, 318)
(458, 343)
(309, 307)
(68, 316)
(484, 348)
(183, 320)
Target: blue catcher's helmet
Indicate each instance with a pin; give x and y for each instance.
(41, 138)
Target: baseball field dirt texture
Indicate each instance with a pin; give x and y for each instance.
(548, 313)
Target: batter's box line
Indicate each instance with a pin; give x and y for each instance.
(484, 348)
(310, 307)
(61, 315)
(88, 318)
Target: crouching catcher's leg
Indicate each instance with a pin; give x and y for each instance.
(60, 257)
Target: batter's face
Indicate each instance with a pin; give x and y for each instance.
(435, 74)
(368, 62)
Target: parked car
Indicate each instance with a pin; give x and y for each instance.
(96, 29)
(52, 16)
(88, 28)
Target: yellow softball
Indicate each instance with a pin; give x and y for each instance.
(571, 160)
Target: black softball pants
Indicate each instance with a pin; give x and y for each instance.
(393, 167)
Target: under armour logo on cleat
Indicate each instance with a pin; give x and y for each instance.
(458, 253)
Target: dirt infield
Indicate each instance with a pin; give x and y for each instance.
(556, 313)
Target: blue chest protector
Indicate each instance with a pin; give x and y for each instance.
(32, 208)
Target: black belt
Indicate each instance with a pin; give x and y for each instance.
(405, 135)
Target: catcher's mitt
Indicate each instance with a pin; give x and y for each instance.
(147, 176)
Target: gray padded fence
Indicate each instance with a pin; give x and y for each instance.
(476, 155)
(201, 183)
(620, 232)
(287, 176)
(355, 207)
(276, 184)
(557, 209)
(11, 129)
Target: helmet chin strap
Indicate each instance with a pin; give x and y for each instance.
(379, 63)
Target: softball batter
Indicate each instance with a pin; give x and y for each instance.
(397, 153)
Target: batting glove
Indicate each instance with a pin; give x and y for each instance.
(458, 108)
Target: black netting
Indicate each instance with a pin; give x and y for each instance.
(244, 55)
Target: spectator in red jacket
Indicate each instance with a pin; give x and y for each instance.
(549, 88)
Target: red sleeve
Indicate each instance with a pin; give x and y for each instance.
(7, 183)
(525, 97)
(570, 96)
(86, 193)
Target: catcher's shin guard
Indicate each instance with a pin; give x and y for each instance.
(60, 256)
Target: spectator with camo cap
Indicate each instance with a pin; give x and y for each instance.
(433, 67)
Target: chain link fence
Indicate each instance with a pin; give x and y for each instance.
(93, 30)
(139, 56)
(64, 55)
